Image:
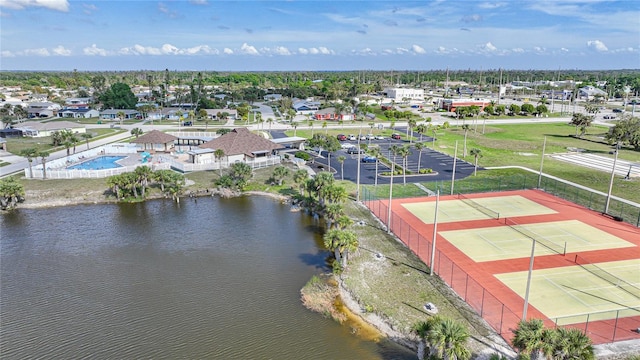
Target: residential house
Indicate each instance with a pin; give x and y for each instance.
(272, 97)
(239, 145)
(42, 109)
(330, 114)
(112, 114)
(216, 114)
(42, 129)
(77, 101)
(306, 107)
(79, 113)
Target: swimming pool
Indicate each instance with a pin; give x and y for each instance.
(102, 162)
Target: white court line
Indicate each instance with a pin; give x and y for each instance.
(491, 243)
(565, 291)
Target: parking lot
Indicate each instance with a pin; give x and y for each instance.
(441, 164)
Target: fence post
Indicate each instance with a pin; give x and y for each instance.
(466, 286)
(482, 304)
(501, 318)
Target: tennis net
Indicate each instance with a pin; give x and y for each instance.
(557, 248)
(483, 209)
(607, 276)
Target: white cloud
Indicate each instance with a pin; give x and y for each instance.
(61, 51)
(325, 51)
(518, 50)
(471, 18)
(418, 49)
(227, 51)
(564, 49)
(59, 5)
(597, 45)
(199, 50)
(89, 8)
(199, 2)
(167, 49)
(248, 49)
(94, 50)
(162, 7)
(37, 52)
(488, 47)
(495, 5)
(281, 50)
(365, 51)
(303, 51)
(6, 53)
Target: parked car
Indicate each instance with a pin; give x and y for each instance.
(618, 110)
(369, 159)
(346, 146)
(342, 137)
(370, 137)
(396, 136)
(379, 137)
(352, 138)
(354, 150)
(362, 138)
(187, 123)
(609, 116)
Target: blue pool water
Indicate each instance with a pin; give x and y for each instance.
(102, 162)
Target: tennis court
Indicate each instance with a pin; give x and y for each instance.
(585, 265)
(462, 209)
(569, 293)
(509, 242)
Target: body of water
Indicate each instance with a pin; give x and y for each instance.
(102, 162)
(209, 278)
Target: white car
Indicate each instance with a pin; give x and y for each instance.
(352, 138)
(379, 137)
(346, 145)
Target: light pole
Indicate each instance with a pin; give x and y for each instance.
(393, 168)
(358, 174)
(435, 233)
(544, 145)
(526, 292)
(453, 173)
(613, 172)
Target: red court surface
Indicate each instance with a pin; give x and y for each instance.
(476, 282)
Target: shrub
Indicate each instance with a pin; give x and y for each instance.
(426, 171)
(303, 155)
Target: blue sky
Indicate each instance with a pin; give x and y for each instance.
(318, 35)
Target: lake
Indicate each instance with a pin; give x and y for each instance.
(206, 278)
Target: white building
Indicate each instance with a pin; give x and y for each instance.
(402, 94)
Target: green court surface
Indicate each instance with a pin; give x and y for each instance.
(459, 210)
(506, 242)
(566, 295)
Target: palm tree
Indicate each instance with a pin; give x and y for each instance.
(29, 153)
(43, 159)
(422, 329)
(143, 174)
(404, 151)
(528, 337)
(421, 129)
(11, 193)
(219, 154)
(325, 127)
(348, 243)
(332, 242)
(86, 137)
(341, 160)
(477, 153)
(320, 183)
(410, 125)
(300, 177)
(375, 152)
(279, 173)
(419, 147)
(136, 132)
(335, 193)
(332, 212)
(448, 337)
(465, 127)
(572, 344)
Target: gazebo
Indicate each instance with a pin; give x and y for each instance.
(155, 140)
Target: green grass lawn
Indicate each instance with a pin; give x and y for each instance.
(15, 145)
